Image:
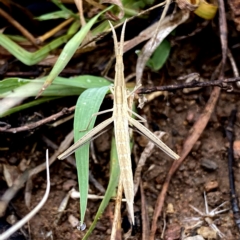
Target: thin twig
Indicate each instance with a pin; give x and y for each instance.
(19, 182)
(40, 122)
(223, 35)
(72, 161)
(23, 221)
(18, 26)
(219, 83)
(64, 145)
(234, 65)
(116, 228)
(145, 219)
(233, 195)
(198, 29)
(144, 156)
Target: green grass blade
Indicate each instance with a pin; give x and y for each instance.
(88, 103)
(84, 81)
(31, 58)
(69, 50)
(53, 15)
(63, 8)
(111, 189)
(74, 85)
(18, 88)
(27, 105)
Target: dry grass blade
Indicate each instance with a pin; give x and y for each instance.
(167, 25)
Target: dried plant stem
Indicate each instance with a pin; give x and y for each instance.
(23, 221)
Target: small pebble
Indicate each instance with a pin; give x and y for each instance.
(199, 181)
(23, 165)
(12, 160)
(191, 165)
(207, 232)
(236, 149)
(170, 208)
(178, 101)
(214, 199)
(179, 108)
(209, 164)
(210, 186)
(190, 117)
(73, 221)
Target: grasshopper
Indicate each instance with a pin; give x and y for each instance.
(122, 118)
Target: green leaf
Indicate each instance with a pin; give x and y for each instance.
(160, 56)
(111, 189)
(88, 103)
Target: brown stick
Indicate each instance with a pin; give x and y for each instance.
(145, 219)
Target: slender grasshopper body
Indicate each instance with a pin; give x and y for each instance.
(121, 118)
(121, 129)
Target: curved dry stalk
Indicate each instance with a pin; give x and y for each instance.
(23, 221)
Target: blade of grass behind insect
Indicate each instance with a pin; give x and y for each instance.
(19, 89)
(111, 189)
(88, 103)
(69, 50)
(27, 105)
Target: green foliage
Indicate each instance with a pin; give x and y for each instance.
(88, 104)
(53, 15)
(31, 58)
(69, 50)
(92, 90)
(61, 87)
(160, 56)
(112, 184)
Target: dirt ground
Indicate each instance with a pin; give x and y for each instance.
(205, 168)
